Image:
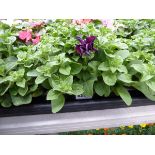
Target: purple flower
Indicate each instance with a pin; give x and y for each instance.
(85, 46)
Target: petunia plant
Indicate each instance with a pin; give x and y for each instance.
(61, 57)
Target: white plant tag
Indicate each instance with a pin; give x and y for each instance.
(82, 97)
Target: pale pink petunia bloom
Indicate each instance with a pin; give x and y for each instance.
(81, 21)
(37, 24)
(108, 22)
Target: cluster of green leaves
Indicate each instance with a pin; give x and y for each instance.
(125, 58)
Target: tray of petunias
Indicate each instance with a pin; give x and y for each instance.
(108, 60)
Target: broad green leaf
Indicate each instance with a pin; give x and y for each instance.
(22, 91)
(65, 69)
(37, 92)
(75, 68)
(142, 87)
(62, 83)
(94, 65)
(52, 95)
(58, 103)
(33, 73)
(138, 67)
(88, 88)
(21, 83)
(4, 88)
(109, 78)
(123, 53)
(124, 94)
(20, 100)
(6, 101)
(11, 39)
(2, 79)
(107, 90)
(99, 88)
(40, 79)
(33, 88)
(77, 89)
(103, 66)
(122, 69)
(151, 84)
(146, 77)
(122, 45)
(14, 90)
(125, 78)
(11, 62)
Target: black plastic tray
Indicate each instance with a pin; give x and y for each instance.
(41, 106)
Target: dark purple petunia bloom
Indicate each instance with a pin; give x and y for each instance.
(85, 46)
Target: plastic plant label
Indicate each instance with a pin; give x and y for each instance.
(82, 97)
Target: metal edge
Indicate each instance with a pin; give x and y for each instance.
(62, 122)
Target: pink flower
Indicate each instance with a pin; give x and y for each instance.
(25, 35)
(107, 22)
(87, 21)
(81, 21)
(36, 40)
(37, 24)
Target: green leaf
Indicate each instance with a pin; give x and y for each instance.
(11, 39)
(21, 83)
(58, 103)
(109, 78)
(142, 87)
(151, 84)
(99, 88)
(103, 66)
(40, 79)
(146, 77)
(65, 69)
(13, 90)
(94, 65)
(22, 91)
(33, 73)
(124, 94)
(6, 101)
(122, 69)
(77, 89)
(61, 83)
(88, 88)
(20, 100)
(122, 45)
(107, 90)
(75, 68)
(52, 95)
(4, 88)
(138, 67)
(2, 79)
(11, 62)
(125, 78)
(123, 53)
(33, 88)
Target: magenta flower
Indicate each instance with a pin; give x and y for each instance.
(85, 46)
(25, 35)
(36, 40)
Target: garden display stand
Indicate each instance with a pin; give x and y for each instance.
(76, 115)
(52, 62)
